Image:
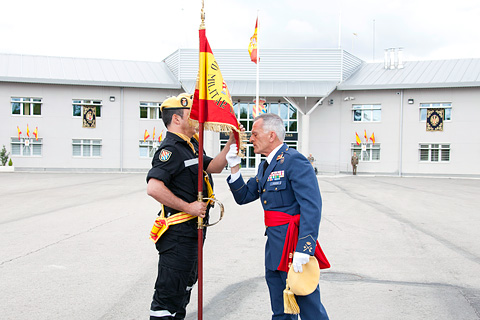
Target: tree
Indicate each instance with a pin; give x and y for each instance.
(4, 155)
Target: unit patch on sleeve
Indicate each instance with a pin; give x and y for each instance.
(164, 155)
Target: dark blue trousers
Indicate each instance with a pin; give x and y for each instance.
(311, 307)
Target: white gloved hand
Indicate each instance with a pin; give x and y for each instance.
(299, 259)
(232, 158)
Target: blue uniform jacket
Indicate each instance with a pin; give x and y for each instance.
(289, 185)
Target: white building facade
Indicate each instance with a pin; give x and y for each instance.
(325, 97)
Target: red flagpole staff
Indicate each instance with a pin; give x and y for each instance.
(212, 109)
(201, 120)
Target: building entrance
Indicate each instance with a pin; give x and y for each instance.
(245, 115)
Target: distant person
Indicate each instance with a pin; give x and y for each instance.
(354, 163)
(311, 159)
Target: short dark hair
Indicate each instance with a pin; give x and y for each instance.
(167, 115)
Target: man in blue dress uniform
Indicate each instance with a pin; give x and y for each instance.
(288, 189)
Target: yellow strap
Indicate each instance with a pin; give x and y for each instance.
(162, 224)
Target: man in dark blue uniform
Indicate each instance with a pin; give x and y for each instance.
(172, 181)
(288, 189)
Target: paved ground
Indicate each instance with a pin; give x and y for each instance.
(75, 246)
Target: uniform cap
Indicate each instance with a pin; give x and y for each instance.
(182, 101)
(304, 283)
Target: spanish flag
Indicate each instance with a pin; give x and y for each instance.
(153, 138)
(28, 131)
(19, 132)
(358, 139)
(365, 135)
(212, 104)
(259, 108)
(160, 137)
(145, 135)
(252, 47)
(35, 133)
(372, 137)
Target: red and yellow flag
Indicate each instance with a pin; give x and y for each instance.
(19, 132)
(35, 133)
(259, 108)
(358, 139)
(252, 47)
(212, 104)
(145, 135)
(365, 135)
(153, 137)
(28, 131)
(372, 137)
(160, 137)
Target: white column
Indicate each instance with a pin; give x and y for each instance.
(305, 137)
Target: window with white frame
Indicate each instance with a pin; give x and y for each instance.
(147, 148)
(366, 151)
(367, 112)
(26, 106)
(26, 147)
(87, 147)
(425, 106)
(150, 110)
(434, 152)
(79, 104)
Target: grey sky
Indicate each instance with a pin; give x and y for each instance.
(152, 29)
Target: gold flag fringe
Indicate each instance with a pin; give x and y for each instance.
(223, 127)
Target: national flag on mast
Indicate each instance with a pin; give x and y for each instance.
(212, 104)
(145, 135)
(372, 137)
(358, 139)
(153, 137)
(19, 132)
(160, 137)
(252, 47)
(35, 133)
(28, 131)
(365, 135)
(259, 107)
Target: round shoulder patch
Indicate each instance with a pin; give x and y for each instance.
(164, 155)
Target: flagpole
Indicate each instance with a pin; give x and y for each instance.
(201, 120)
(258, 68)
(257, 86)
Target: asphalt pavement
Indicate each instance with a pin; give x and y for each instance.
(75, 246)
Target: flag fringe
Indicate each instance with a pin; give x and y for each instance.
(223, 127)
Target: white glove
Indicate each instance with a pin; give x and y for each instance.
(232, 158)
(299, 259)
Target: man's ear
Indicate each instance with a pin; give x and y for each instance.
(272, 136)
(176, 119)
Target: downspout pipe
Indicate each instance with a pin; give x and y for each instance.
(400, 142)
(122, 107)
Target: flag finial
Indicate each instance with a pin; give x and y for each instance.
(202, 16)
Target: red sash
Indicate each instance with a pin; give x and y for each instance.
(277, 218)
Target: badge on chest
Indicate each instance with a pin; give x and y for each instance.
(276, 175)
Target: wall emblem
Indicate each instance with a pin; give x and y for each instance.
(435, 119)
(89, 120)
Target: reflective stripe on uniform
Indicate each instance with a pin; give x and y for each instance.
(162, 313)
